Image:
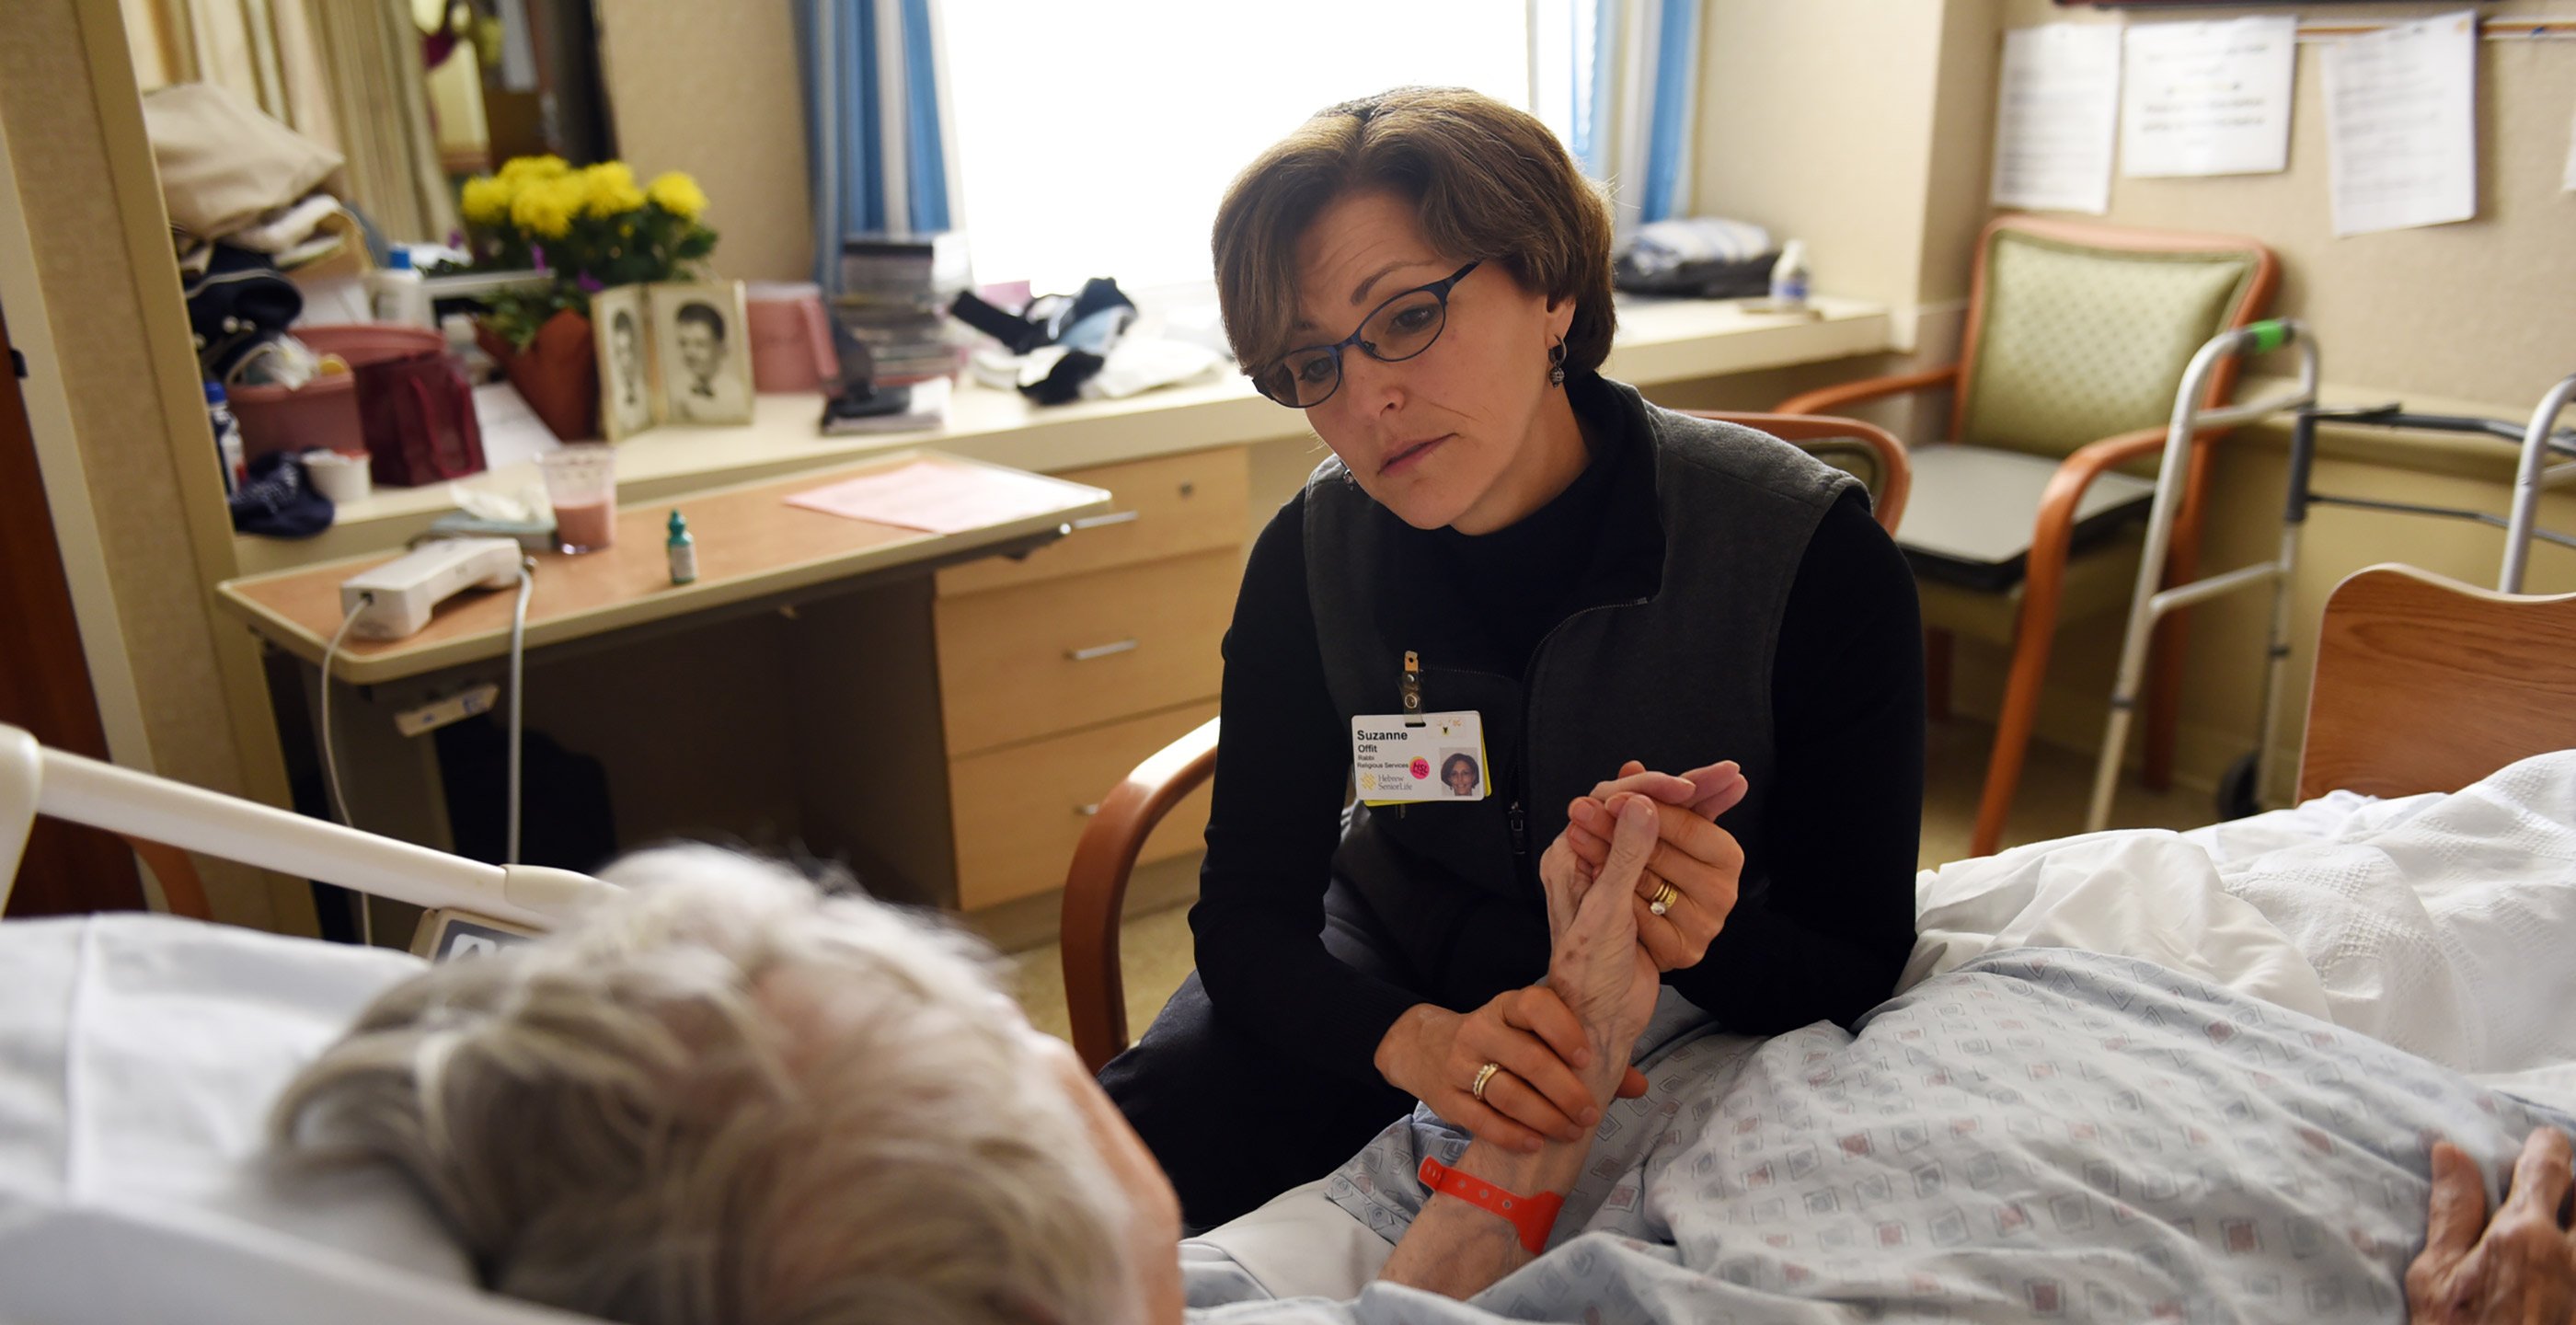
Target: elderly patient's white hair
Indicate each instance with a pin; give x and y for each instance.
(727, 1097)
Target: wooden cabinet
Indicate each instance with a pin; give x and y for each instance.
(1061, 671)
(1019, 810)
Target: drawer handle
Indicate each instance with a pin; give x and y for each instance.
(1099, 651)
(1104, 521)
(1087, 811)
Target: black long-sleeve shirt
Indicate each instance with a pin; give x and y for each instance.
(1844, 816)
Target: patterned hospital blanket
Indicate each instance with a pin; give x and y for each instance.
(2046, 1134)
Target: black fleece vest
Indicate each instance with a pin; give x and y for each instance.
(1677, 677)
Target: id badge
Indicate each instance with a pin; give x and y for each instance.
(1397, 760)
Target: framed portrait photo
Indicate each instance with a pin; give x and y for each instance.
(621, 327)
(702, 347)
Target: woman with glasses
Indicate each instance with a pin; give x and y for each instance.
(1507, 551)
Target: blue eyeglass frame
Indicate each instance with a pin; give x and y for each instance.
(1438, 289)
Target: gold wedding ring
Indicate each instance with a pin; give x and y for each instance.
(1483, 1075)
(1665, 895)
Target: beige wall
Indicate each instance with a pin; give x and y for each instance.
(714, 90)
(2481, 310)
(1851, 124)
(98, 249)
(1861, 127)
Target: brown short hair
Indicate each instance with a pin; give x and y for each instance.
(1491, 183)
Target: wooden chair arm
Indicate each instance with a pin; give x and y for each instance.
(1895, 470)
(1095, 888)
(1832, 399)
(2043, 575)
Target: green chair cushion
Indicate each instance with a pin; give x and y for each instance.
(2079, 343)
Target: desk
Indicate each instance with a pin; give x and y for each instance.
(753, 548)
(610, 641)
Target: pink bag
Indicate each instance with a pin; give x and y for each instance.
(417, 415)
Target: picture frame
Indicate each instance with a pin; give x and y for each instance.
(702, 346)
(630, 392)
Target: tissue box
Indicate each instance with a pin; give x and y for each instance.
(533, 536)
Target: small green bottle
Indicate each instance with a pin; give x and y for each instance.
(683, 550)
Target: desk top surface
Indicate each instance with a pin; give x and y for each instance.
(750, 543)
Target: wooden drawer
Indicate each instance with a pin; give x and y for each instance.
(1018, 812)
(1069, 653)
(1166, 506)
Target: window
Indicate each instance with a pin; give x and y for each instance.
(1096, 139)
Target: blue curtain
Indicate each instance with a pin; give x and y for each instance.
(1636, 103)
(879, 155)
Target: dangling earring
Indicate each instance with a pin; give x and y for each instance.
(1556, 363)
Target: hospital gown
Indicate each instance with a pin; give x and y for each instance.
(2043, 1133)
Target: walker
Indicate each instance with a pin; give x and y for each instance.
(2240, 790)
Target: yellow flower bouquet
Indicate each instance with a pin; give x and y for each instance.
(591, 228)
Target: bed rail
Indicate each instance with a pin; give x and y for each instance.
(37, 780)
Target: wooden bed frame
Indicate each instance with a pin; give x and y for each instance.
(2422, 684)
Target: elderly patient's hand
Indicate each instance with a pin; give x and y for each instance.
(1595, 961)
(2521, 1267)
(1701, 861)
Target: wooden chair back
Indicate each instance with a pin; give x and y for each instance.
(2427, 684)
(1868, 452)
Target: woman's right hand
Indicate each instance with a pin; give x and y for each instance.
(1536, 1095)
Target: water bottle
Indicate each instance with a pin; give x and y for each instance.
(395, 294)
(228, 438)
(1789, 278)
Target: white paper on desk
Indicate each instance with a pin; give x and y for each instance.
(937, 498)
(2057, 117)
(2208, 98)
(512, 432)
(2401, 130)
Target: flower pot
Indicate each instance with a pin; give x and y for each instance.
(558, 374)
(324, 412)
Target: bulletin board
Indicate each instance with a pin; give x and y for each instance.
(2231, 4)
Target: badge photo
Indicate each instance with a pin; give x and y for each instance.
(1396, 760)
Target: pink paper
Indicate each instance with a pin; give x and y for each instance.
(941, 499)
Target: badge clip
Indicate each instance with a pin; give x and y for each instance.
(1412, 689)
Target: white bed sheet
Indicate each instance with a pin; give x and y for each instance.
(2442, 924)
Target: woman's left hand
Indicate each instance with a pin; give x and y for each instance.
(1701, 861)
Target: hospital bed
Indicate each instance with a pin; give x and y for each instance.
(138, 1053)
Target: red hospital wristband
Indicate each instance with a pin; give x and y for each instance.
(1534, 1216)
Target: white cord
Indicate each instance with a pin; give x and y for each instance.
(518, 658)
(330, 755)
(330, 742)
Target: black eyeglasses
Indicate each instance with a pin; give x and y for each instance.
(1395, 331)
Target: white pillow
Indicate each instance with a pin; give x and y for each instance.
(139, 1055)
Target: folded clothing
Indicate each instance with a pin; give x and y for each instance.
(280, 231)
(239, 302)
(223, 162)
(279, 499)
